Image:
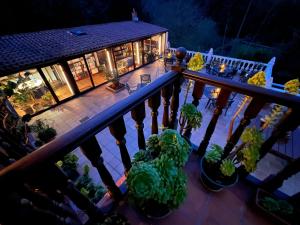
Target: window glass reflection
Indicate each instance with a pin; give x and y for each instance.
(57, 79)
(98, 64)
(30, 94)
(80, 74)
(124, 58)
(138, 53)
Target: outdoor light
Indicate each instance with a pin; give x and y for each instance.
(222, 68)
(109, 60)
(137, 52)
(159, 44)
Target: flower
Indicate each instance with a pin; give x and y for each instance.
(196, 63)
(259, 79)
(292, 86)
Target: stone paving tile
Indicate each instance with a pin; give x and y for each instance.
(68, 116)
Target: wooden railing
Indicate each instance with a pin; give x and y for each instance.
(38, 171)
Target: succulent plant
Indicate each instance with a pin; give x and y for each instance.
(174, 146)
(191, 115)
(292, 86)
(259, 79)
(153, 144)
(227, 167)
(141, 156)
(143, 181)
(214, 154)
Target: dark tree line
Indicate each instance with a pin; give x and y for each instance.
(266, 28)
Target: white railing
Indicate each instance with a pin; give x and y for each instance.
(240, 64)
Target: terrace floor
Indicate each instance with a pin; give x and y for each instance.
(70, 114)
(232, 206)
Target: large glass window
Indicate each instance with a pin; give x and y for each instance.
(138, 53)
(30, 93)
(80, 74)
(58, 81)
(147, 51)
(124, 58)
(98, 64)
(156, 46)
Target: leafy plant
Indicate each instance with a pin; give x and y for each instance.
(112, 76)
(190, 117)
(227, 167)
(277, 206)
(156, 174)
(43, 131)
(143, 181)
(246, 154)
(214, 154)
(87, 187)
(196, 63)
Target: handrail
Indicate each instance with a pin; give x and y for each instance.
(64, 144)
(269, 95)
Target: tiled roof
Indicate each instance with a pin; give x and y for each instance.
(27, 50)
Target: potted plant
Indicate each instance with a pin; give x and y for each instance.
(218, 172)
(113, 78)
(156, 181)
(87, 187)
(69, 165)
(47, 99)
(43, 131)
(189, 118)
(277, 209)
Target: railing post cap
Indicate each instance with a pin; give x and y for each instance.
(181, 53)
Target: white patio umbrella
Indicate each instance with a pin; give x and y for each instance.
(209, 56)
(268, 71)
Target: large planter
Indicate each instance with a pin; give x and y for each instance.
(215, 185)
(275, 216)
(154, 210)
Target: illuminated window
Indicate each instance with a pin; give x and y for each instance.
(80, 74)
(30, 94)
(58, 81)
(124, 58)
(138, 53)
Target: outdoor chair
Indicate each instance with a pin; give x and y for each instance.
(145, 79)
(130, 89)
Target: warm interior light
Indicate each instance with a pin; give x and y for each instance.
(109, 60)
(65, 78)
(159, 45)
(215, 93)
(137, 53)
(222, 68)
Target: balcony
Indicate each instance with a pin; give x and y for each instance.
(201, 207)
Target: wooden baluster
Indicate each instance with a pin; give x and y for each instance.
(197, 94)
(139, 114)
(154, 103)
(251, 112)
(166, 93)
(175, 103)
(118, 130)
(221, 103)
(274, 182)
(91, 149)
(289, 122)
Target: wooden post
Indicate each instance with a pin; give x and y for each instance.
(274, 182)
(91, 149)
(139, 114)
(289, 122)
(154, 103)
(221, 103)
(118, 130)
(166, 93)
(175, 103)
(251, 112)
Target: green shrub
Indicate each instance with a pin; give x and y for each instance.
(227, 167)
(214, 154)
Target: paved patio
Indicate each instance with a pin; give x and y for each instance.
(76, 111)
